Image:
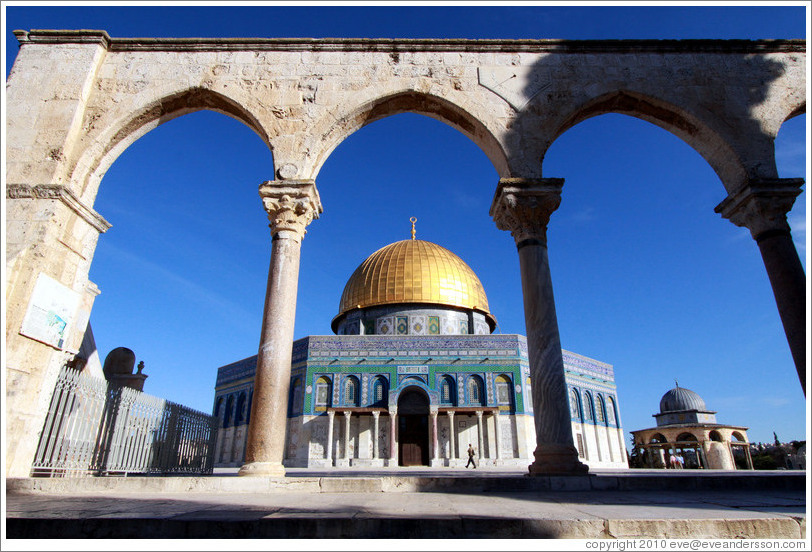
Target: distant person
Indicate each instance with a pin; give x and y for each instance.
(674, 462)
(680, 462)
(471, 453)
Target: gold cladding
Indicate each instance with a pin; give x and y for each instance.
(414, 271)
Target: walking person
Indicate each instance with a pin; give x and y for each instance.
(471, 454)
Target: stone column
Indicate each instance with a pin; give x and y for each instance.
(375, 434)
(393, 442)
(330, 418)
(291, 206)
(347, 415)
(480, 439)
(762, 206)
(523, 207)
(749, 457)
(452, 449)
(498, 431)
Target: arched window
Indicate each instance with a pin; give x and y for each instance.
(380, 394)
(248, 409)
(296, 396)
(447, 394)
(588, 408)
(324, 393)
(575, 407)
(475, 390)
(351, 391)
(504, 391)
(611, 411)
(217, 406)
(686, 437)
(600, 410)
(227, 417)
(715, 436)
(239, 417)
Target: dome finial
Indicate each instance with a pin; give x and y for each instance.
(676, 382)
(414, 232)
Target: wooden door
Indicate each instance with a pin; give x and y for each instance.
(414, 440)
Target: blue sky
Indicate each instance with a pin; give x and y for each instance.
(646, 276)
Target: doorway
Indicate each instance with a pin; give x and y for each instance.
(413, 428)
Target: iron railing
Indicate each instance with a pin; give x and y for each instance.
(96, 428)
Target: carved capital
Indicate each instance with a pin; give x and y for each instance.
(762, 205)
(523, 206)
(291, 205)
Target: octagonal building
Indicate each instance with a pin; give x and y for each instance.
(414, 375)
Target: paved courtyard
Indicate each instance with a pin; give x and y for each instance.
(413, 504)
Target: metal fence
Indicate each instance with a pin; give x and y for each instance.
(96, 428)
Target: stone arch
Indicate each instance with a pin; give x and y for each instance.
(715, 436)
(658, 438)
(411, 101)
(97, 157)
(686, 436)
(737, 436)
(698, 134)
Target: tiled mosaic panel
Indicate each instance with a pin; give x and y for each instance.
(402, 325)
(385, 325)
(434, 325)
(419, 325)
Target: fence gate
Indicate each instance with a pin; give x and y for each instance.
(96, 428)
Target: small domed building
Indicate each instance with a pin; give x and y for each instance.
(413, 375)
(687, 429)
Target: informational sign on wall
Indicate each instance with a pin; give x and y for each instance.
(51, 312)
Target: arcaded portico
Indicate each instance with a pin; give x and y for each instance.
(77, 99)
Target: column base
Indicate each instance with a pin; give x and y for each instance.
(557, 460)
(262, 469)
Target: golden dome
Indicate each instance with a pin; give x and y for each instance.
(414, 271)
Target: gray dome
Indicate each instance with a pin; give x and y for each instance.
(680, 398)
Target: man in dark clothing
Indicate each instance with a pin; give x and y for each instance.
(471, 453)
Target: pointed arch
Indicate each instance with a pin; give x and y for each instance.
(411, 101)
(97, 157)
(723, 159)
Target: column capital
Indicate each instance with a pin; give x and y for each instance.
(523, 206)
(762, 205)
(347, 413)
(331, 413)
(478, 413)
(291, 205)
(376, 413)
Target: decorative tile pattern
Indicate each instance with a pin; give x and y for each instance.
(463, 327)
(434, 325)
(418, 325)
(402, 325)
(385, 325)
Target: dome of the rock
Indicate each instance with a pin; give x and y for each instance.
(414, 272)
